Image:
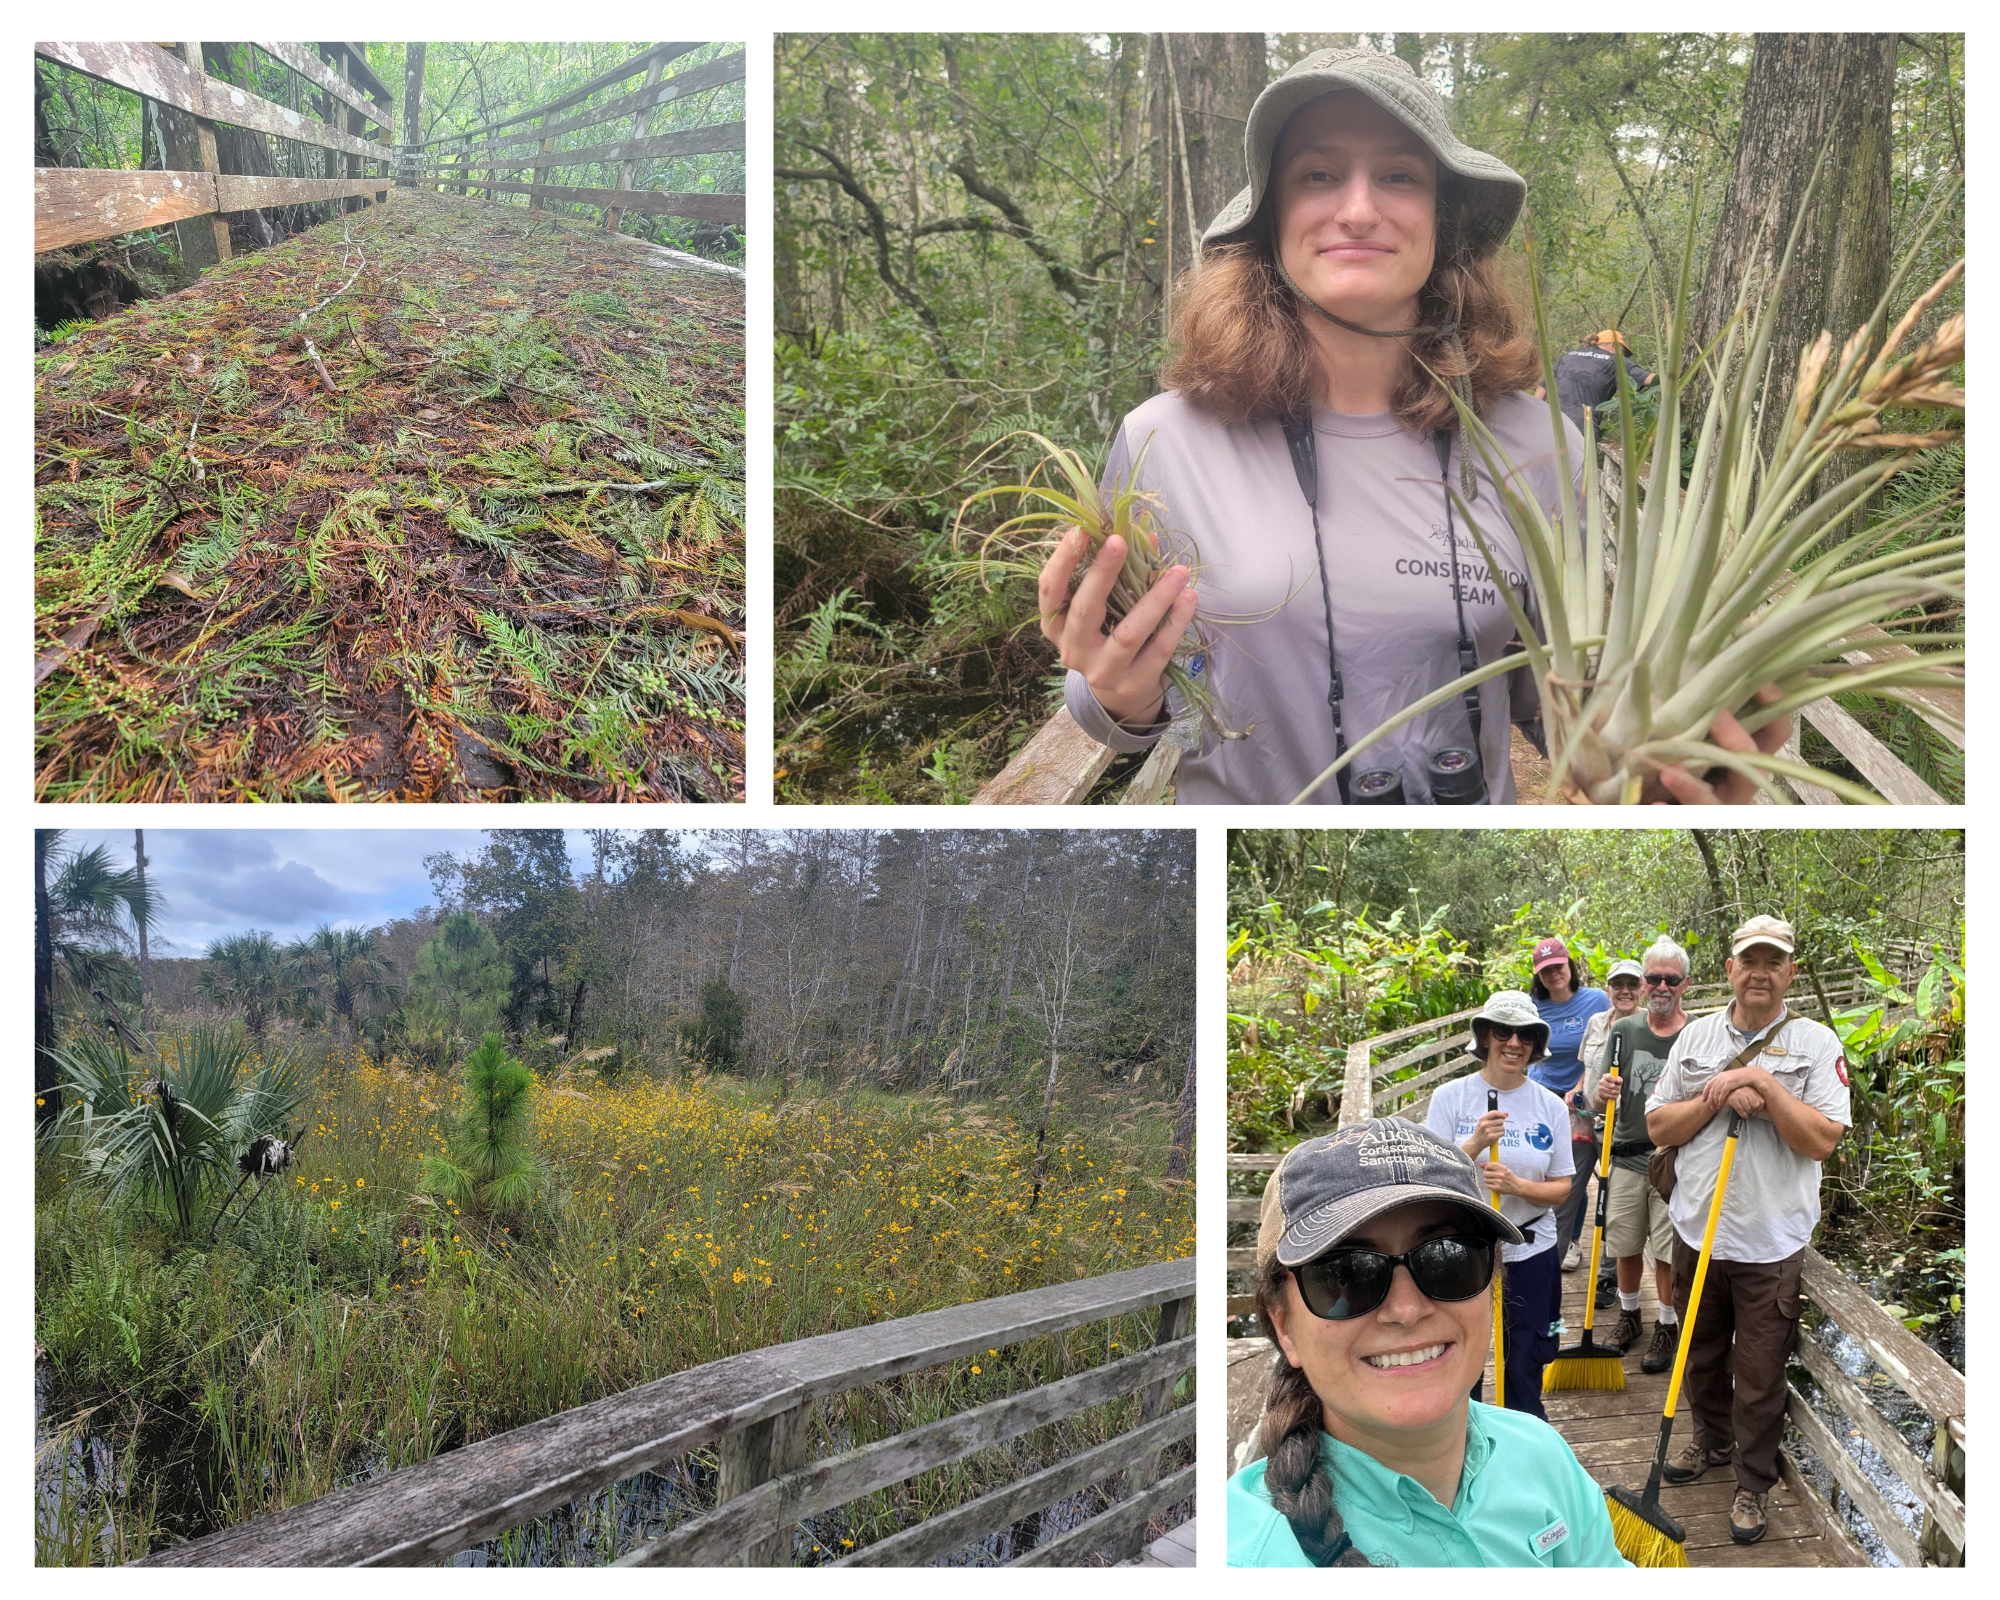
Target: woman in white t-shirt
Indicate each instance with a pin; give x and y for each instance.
(1308, 449)
(1532, 1175)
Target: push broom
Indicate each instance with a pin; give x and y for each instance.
(1646, 1535)
(1584, 1366)
(1499, 1273)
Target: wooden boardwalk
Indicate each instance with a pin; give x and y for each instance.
(1614, 1434)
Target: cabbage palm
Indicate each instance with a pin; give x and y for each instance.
(174, 1136)
(247, 972)
(339, 967)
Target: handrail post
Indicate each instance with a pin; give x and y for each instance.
(199, 236)
(629, 169)
(1948, 1462)
(538, 176)
(1176, 1316)
(756, 1454)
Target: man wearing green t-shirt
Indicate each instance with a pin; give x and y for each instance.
(1637, 1224)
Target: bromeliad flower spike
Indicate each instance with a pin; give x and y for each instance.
(1759, 572)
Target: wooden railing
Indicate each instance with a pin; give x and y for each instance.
(1061, 764)
(458, 163)
(756, 1408)
(76, 204)
(1926, 1377)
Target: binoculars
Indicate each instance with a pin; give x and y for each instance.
(1455, 774)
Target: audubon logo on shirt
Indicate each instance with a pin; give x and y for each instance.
(1475, 578)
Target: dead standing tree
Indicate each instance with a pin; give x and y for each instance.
(1063, 953)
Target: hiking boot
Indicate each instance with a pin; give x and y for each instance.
(1660, 1354)
(1574, 1258)
(1691, 1461)
(1607, 1293)
(1746, 1517)
(1626, 1333)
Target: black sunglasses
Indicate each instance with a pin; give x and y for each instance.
(1672, 981)
(1351, 1283)
(1502, 1032)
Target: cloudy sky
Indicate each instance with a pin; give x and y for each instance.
(286, 880)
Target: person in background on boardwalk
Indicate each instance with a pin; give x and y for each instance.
(1586, 377)
(1531, 1175)
(1375, 1257)
(1637, 1225)
(1794, 1097)
(1623, 984)
(1567, 1005)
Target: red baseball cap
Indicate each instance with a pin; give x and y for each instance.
(1551, 952)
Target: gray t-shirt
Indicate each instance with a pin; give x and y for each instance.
(1231, 491)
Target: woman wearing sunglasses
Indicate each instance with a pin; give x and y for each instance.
(1532, 1175)
(1376, 1256)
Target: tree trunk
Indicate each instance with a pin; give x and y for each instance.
(1203, 85)
(413, 105)
(1719, 899)
(48, 1098)
(1177, 1157)
(145, 956)
(1808, 92)
(1042, 1129)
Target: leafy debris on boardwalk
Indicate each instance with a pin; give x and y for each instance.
(493, 551)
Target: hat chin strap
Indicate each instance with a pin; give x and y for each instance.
(1448, 331)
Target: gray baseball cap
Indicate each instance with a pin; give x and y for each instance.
(1327, 1187)
(1493, 190)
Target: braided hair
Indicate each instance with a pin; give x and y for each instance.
(1295, 1470)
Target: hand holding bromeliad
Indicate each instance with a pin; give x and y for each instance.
(1126, 666)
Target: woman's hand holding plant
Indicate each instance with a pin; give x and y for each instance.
(1126, 666)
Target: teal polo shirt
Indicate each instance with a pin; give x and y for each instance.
(1523, 1501)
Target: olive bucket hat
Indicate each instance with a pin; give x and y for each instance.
(1493, 190)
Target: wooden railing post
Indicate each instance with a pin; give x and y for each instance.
(204, 241)
(1948, 1462)
(757, 1454)
(1176, 1317)
(538, 176)
(627, 170)
(354, 125)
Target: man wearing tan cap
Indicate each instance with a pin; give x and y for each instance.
(1793, 1094)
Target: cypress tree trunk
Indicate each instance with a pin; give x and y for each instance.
(47, 1096)
(413, 106)
(1203, 85)
(145, 955)
(1807, 92)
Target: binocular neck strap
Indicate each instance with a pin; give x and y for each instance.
(1468, 656)
(1305, 463)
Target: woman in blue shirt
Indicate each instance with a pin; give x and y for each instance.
(1567, 1007)
(1376, 1252)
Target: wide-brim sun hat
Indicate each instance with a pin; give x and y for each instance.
(1492, 190)
(1327, 1187)
(1512, 1009)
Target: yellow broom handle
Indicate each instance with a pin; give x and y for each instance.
(1499, 1301)
(1603, 1178)
(1701, 1267)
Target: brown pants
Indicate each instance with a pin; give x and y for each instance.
(1744, 1332)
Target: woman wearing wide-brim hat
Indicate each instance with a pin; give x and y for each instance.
(1375, 1257)
(1532, 1175)
(1306, 451)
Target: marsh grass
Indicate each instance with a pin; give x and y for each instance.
(352, 1324)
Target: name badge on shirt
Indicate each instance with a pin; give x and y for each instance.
(1550, 1537)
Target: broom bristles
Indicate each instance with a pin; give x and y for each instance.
(1638, 1534)
(1576, 1370)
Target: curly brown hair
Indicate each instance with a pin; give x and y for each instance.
(1242, 352)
